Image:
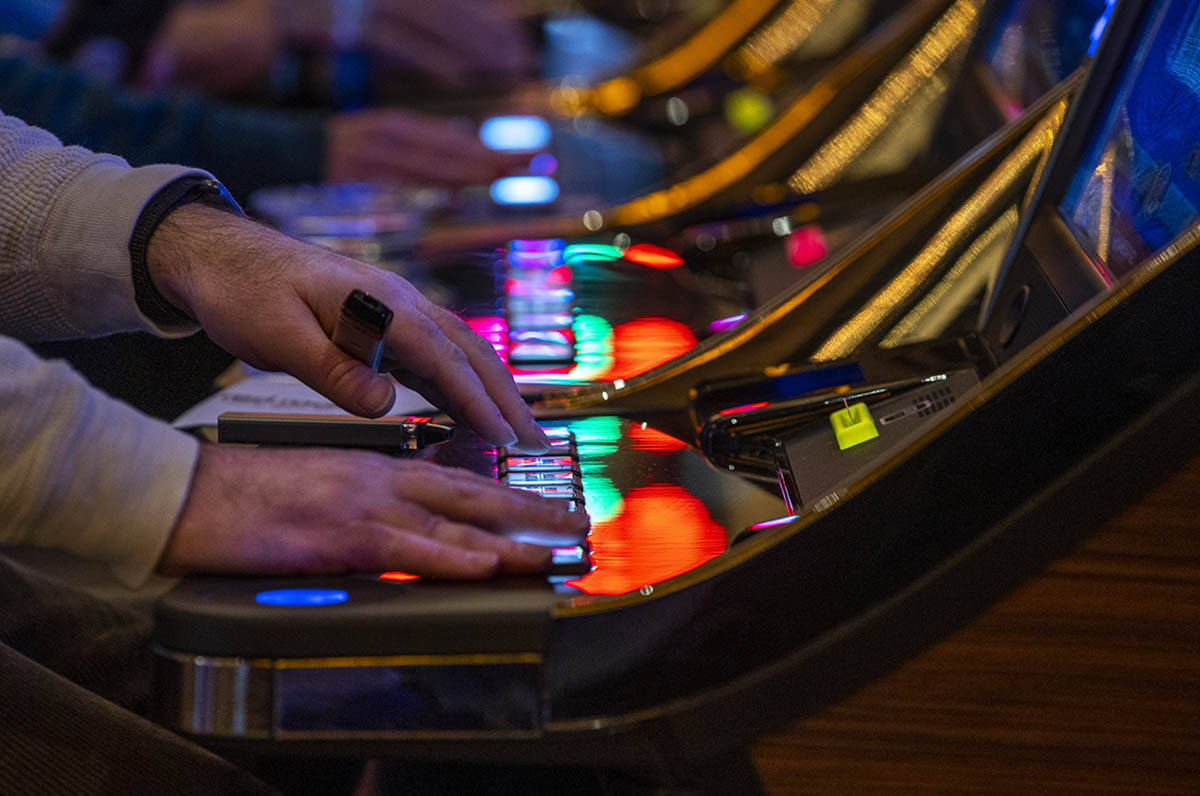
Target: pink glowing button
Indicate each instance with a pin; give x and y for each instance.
(805, 245)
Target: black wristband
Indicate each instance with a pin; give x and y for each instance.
(175, 194)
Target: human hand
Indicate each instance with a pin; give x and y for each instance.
(272, 301)
(405, 146)
(452, 41)
(218, 47)
(312, 511)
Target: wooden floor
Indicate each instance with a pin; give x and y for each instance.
(1084, 681)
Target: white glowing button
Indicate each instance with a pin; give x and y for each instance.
(515, 133)
(524, 190)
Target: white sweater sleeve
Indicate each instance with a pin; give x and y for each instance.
(78, 471)
(66, 216)
(82, 472)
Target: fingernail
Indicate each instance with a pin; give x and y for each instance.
(380, 397)
(487, 563)
(508, 437)
(536, 553)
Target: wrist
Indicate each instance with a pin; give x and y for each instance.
(156, 258)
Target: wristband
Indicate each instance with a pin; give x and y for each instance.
(175, 194)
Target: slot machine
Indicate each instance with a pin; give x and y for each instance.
(568, 311)
(818, 536)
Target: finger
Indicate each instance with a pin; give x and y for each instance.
(468, 497)
(512, 557)
(426, 556)
(418, 342)
(495, 377)
(311, 357)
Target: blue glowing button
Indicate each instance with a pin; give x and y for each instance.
(515, 133)
(301, 597)
(524, 190)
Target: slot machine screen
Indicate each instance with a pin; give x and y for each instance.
(1138, 187)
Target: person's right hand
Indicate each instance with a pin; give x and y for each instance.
(389, 144)
(327, 511)
(273, 301)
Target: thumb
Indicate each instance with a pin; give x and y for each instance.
(349, 383)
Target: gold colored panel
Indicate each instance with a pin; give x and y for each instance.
(949, 38)
(901, 289)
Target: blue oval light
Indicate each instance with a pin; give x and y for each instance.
(301, 597)
(515, 133)
(524, 190)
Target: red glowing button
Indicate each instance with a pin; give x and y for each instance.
(652, 256)
(560, 275)
(397, 577)
(805, 245)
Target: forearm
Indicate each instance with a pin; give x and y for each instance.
(83, 473)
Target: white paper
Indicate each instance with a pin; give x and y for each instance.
(274, 392)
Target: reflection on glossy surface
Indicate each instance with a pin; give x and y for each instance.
(941, 49)
(1138, 187)
(652, 440)
(646, 343)
(606, 353)
(662, 531)
(397, 577)
(1016, 171)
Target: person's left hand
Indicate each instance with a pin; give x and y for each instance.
(272, 301)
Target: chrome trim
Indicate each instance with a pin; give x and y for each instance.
(205, 695)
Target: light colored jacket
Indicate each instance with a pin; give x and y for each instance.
(79, 471)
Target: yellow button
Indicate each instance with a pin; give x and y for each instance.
(853, 425)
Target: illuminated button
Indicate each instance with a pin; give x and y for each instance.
(591, 251)
(526, 353)
(537, 304)
(853, 425)
(515, 133)
(568, 555)
(569, 561)
(652, 256)
(540, 320)
(551, 491)
(524, 190)
(517, 464)
(563, 478)
(537, 245)
(301, 597)
(541, 261)
(539, 336)
(557, 432)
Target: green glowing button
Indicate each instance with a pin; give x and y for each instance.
(591, 251)
(853, 425)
